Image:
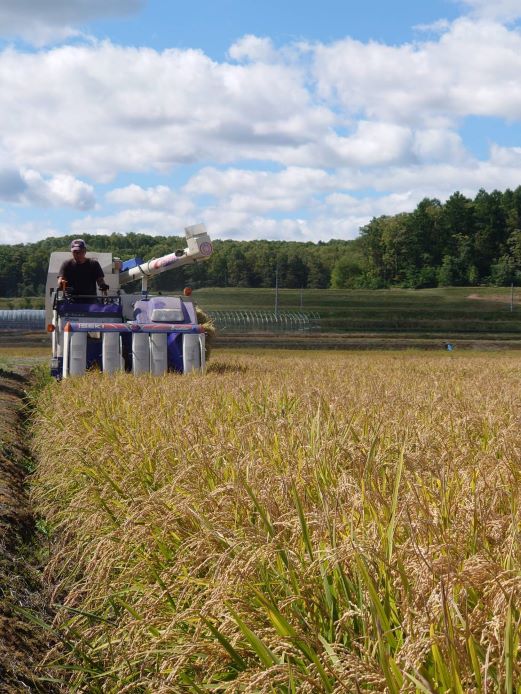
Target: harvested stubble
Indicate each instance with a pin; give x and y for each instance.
(288, 523)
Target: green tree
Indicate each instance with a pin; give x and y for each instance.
(318, 273)
(346, 271)
(491, 229)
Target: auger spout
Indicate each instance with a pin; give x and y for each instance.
(199, 247)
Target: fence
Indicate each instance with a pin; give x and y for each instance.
(229, 321)
(22, 319)
(264, 321)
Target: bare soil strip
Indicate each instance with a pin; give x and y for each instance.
(22, 643)
(36, 344)
(362, 342)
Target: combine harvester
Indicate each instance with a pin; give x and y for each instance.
(116, 331)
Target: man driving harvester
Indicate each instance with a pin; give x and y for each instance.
(80, 274)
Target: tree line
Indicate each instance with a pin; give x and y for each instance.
(23, 267)
(463, 241)
(460, 242)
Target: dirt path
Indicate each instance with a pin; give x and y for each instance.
(22, 643)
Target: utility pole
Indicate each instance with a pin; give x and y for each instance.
(511, 297)
(301, 298)
(276, 290)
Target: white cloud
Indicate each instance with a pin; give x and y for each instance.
(294, 181)
(28, 187)
(341, 204)
(437, 144)
(11, 233)
(59, 191)
(102, 109)
(143, 221)
(506, 157)
(439, 26)
(504, 10)
(473, 69)
(301, 203)
(354, 130)
(98, 110)
(12, 185)
(253, 48)
(501, 171)
(376, 143)
(43, 21)
(136, 196)
(225, 223)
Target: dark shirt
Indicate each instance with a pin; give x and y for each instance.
(81, 277)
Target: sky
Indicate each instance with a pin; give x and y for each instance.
(279, 119)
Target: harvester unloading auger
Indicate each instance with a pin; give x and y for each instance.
(132, 332)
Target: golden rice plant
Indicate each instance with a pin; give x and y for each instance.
(289, 522)
(209, 329)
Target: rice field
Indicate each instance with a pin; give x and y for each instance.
(289, 522)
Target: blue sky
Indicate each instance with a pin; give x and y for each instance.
(279, 120)
(214, 26)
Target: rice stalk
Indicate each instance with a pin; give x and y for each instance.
(262, 529)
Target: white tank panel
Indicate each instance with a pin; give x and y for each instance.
(77, 354)
(57, 344)
(110, 352)
(191, 353)
(158, 353)
(140, 353)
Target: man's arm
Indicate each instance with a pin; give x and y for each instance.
(100, 279)
(62, 279)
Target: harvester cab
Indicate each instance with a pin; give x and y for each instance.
(116, 331)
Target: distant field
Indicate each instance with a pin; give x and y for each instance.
(450, 311)
(454, 310)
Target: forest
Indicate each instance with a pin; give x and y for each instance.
(461, 242)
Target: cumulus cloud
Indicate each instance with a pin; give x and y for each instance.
(97, 110)
(333, 133)
(62, 190)
(44, 21)
(376, 143)
(297, 182)
(336, 218)
(152, 222)
(136, 196)
(253, 48)
(12, 185)
(11, 233)
(154, 198)
(302, 203)
(505, 10)
(28, 187)
(439, 26)
(471, 70)
(437, 144)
